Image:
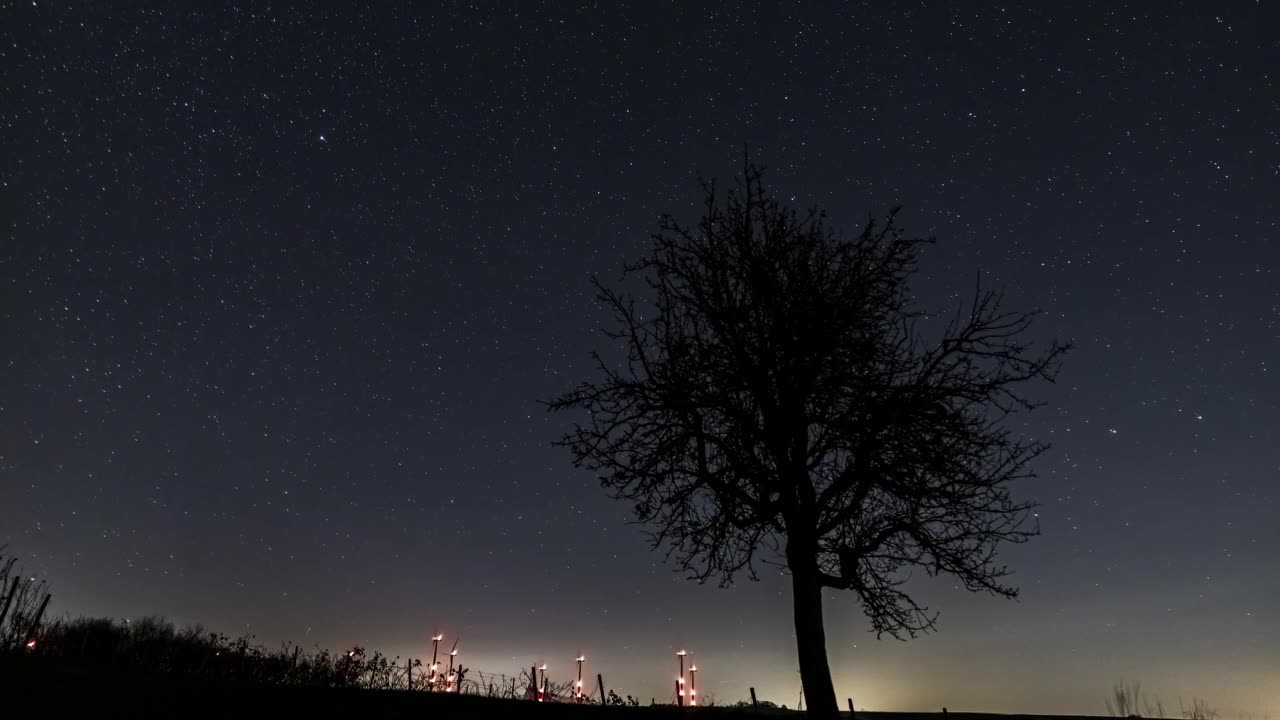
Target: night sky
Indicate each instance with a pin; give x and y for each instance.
(281, 290)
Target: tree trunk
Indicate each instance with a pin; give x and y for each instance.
(811, 639)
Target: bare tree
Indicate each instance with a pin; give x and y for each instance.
(781, 400)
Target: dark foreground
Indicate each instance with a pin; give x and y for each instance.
(57, 690)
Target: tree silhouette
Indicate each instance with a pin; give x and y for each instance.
(781, 399)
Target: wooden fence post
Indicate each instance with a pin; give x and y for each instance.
(600, 683)
(852, 714)
(754, 705)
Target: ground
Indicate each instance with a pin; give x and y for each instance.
(55, 690)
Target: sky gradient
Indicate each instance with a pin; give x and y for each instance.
(281, 289)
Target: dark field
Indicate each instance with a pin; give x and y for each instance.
(59, 690)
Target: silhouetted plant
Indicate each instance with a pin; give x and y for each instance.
(154, 645)
(22, 599)
(1123, 701)
(780, 395)
(1198, 710)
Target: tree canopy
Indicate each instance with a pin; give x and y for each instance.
(783, 399)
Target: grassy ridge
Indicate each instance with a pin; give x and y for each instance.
(60, 689)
